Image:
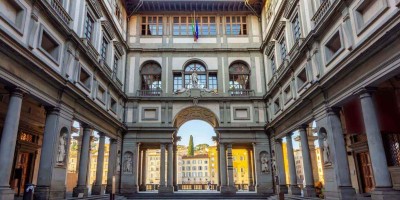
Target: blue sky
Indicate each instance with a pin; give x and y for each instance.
(201, 131)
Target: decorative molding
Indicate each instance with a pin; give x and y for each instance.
(95, 7)
(119, 48)
(289, 7)
(279, 29)
(107, 27)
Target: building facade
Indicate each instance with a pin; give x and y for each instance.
(134, 71)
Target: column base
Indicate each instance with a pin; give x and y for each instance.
(80, 189)
(98, 189)
(166, 190)
(45, 192)
(252, 188)
(129, 190)
(175, 188)
(294, 190)
(228, 190)
(108, 189)
(267, 189)
(283, 189)
(142, 188)
(385, 194)
(342, 193)
(6, 193)
(309, 191)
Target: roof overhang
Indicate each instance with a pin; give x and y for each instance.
(189, 6)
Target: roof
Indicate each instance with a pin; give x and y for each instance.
(165, 6)
(195, 156)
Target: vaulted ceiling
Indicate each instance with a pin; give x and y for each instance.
(165, 6)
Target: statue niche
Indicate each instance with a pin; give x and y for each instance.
(264, 162)
(127, 167)
(62, 147)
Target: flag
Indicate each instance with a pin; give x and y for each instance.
(196, 37)
(195, 27)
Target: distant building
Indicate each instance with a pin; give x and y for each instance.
(195, 169)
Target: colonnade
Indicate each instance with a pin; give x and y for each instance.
(336, 167)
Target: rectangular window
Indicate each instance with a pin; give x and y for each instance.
(84, 78)
(152, 25)
(115, 66)
(277, 105)
(333, 46)
(212, 81)
(296, 27)
(288, 93)
(236, 25)
(101, 94)
(177, 82)
(104, 47)
(301, 79)
(184, 25)
(283, 50)
(89, 26)
(272, 63)
(50, 46)
(113, 105)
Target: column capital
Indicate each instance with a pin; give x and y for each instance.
(333, 110)
(278, 141)
(365, 92)
(113, 141)
(229, 145)
(86, 126)
(16, 91)
(101, 134)
(290, 134)
(303, 127)
(52, 110)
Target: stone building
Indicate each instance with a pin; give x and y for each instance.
(195, 169)
(133, 71)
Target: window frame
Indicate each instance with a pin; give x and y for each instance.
(19, 24)
(248, 85)
(244, 31)
(147, 25)
(43, 30)
(88, 88)
(89, 15)
(296, 15)
(159, 75)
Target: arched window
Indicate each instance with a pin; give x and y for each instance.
(239, 75)
(205, 79)
(151, 79)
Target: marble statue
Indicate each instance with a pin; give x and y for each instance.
(127, 166)
(327, 153)
(62, 146)
(264, 163)
(195, 80)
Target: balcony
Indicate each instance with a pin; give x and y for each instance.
(61, 12)
(323, 8)
(149, 93)
(241, 92)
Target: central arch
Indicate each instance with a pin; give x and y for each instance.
(196, 112)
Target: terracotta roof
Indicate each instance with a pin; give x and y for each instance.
(195, 156)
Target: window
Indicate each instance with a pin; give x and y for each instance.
(184, 25)
(194, 168)
(187, 168)
(205, 162)
(101, 94)
(193, 162)
(277, 105)
(115, 66)
(177, 82)
(296, 27)
(333, 46)
(212, 82)
(188, 162)
(239, 75)
(205, 168)
(113, 105)
(183, 168)
(49, 46)
(104, 48)
(89, 26)
(236, 25)
(283, 50)
(200, 162)
(272, 63)
(151, 79)
(85, 79)
(152, 25)
(288, 93)
(13, 13)
(200, 174)
(301, 79)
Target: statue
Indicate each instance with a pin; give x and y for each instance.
(62, 145)
(264, 162)
(195, 80)
(327, 153)
(127, 168)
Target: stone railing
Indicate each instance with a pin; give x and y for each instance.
(197, 187)
(323, 8)
(241, 92)
(149, 93)
(61, 12)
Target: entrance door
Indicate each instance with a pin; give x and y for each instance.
(22, 172)
(367, 175)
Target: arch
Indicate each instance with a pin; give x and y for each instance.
(239, 76)
(194, 60)
(151, 76)
(196, 112)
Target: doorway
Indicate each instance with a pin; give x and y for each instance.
(367, 175)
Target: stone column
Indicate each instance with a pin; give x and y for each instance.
(112, 162)
(293, 188)
(140, 162)
(230, 188)
(175, 181)
(383, 182)
(163, 186)
(170, 168)
(98, 188)
(280, 165)
(144, 167)
(250, 164)
(8, 142)
(336, 147)
(222, 165)
(83, 163)
(129, 167)
(308, 189)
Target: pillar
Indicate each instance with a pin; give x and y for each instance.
(337, 165)
(143, 171)
(8, 142)
(280, 165)
(293, 188)
(383, 182)
(164, 188)
(170, 164)
(112, 162)
(129, 166)
(308, 189)
(250, 164)
(229, 188)
(175, 181)
(222, 165)
(98, 188)
(83, 163)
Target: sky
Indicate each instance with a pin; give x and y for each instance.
(202, 133)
